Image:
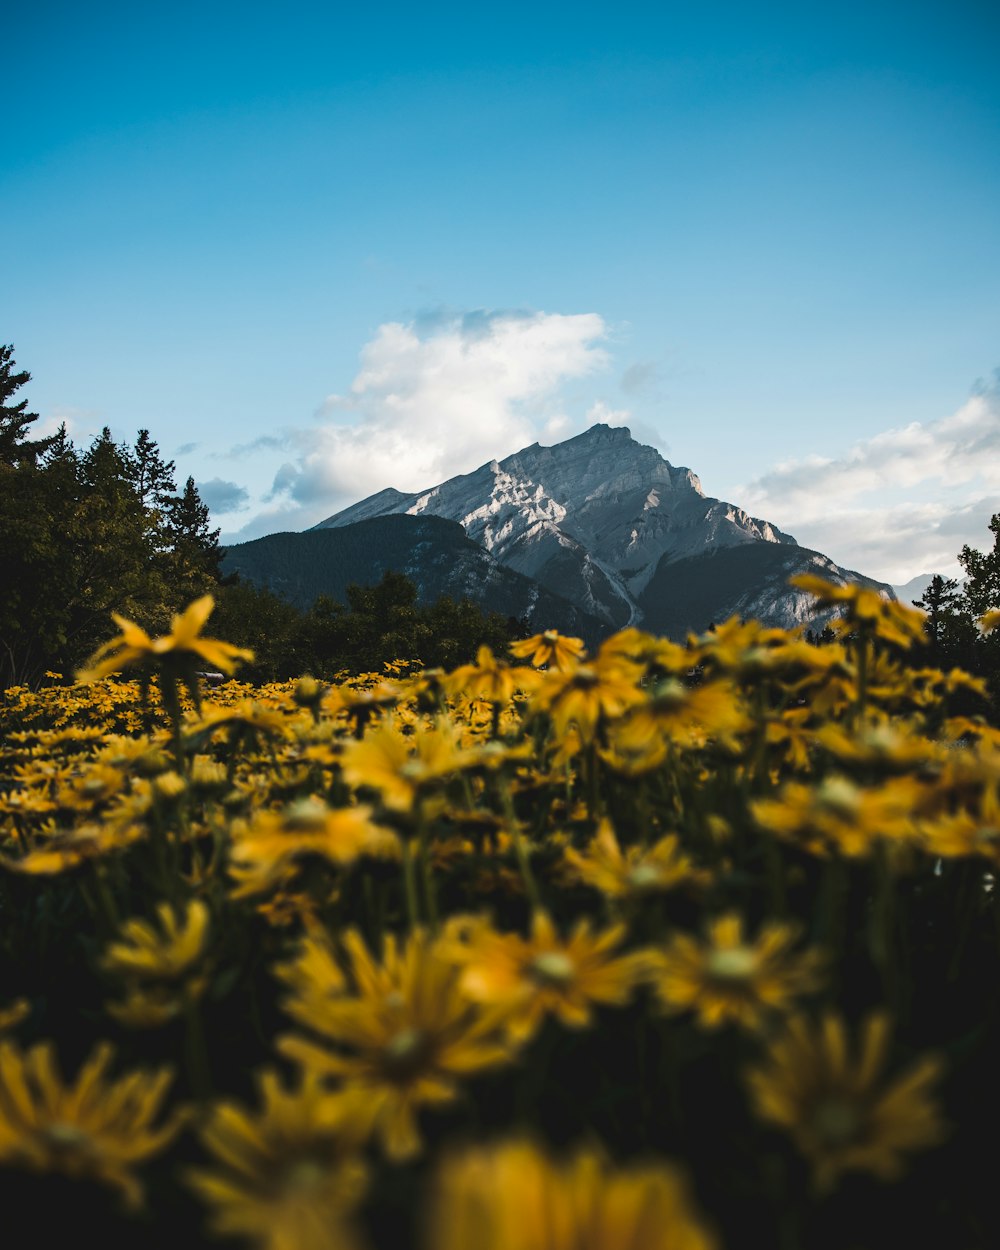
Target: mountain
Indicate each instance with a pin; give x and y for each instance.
(606, 523)
(436, 554)
(914, 588)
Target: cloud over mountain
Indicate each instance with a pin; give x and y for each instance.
(438, 395)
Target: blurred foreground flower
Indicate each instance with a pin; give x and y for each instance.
(409, 1032)
(289, 1176)
(514, 1197)
(176, 655)
(865, 610)
(837, 1109)
(159, 965)
(95, 1129)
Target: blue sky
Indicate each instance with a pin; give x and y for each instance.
(319, 249)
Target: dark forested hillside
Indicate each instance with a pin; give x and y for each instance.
(434, 553)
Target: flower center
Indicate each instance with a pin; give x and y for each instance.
(65, 1136)
(840, 796)
(405, 1051)
(736, 963)
(552, 968)
(644, 877)
(836, 1122)
(306, 816)
(304, 1175)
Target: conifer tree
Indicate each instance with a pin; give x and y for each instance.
(195, 554)
(15, 448)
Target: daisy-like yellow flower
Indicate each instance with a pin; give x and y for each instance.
(587, 695)
(404, 768)
(61, 850)
(865, 610)
(182, 646)
(634, 872)
(268, 850)
(402, 1039)
(289, 1176)
(687, 716)
(490, 679)
(840, 1112)
(527, 979)
(94, 1129)
(988, 623)
(728, 979)
(552, 649)
(514, 1196)
(839, 816)
(159, 965)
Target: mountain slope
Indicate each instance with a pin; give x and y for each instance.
(436, 554)
(749, 581)
(596, 519)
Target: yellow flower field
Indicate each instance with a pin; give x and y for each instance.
(660, 948)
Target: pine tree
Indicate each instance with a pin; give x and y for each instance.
(949, 626)
(15, 418)
(195, 555)
(982, 573)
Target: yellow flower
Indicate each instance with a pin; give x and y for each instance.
(67, 849)
(549, 648)
(730, 980)
(134, 646)
(289, 1176)
(490, 679)
(404, 768)
(688, 716)
(588, 694)
(159, 967)
(14, 1014)
(513, 1196)
(989, 622)
(268, 851)
(94, 1129)
(865, 610)
(527, 979)
(838, 815)
(837, 1108)
(635, 872)
(402, 1039)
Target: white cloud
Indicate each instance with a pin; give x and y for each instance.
(440, 396)
(900, 503)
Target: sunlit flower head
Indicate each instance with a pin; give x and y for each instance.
(529, 978)
(184, 645)
(514, 1196)
(288, 1176)
(402, 1038)
(634, 872)
(268, 850)
(865, 610)
(729, 979)
(549, 649)
(94, 1129)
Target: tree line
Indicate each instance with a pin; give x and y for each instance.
(85, 532)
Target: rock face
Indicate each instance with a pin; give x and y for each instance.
(606, 523)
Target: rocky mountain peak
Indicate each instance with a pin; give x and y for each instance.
(593, 518)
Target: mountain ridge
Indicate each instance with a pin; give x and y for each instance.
(597, 518)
